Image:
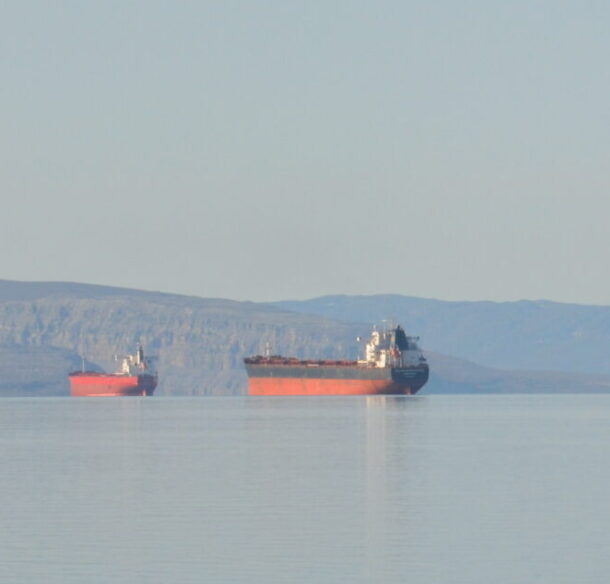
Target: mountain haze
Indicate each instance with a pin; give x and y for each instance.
(47, 328)
(200, 343)
(530, 335)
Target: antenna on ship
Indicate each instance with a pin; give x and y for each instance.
(267, 349)
(82, 363)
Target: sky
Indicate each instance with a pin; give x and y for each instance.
(275, 149)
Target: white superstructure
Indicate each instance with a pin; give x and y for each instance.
(136, 364)
(392, 348)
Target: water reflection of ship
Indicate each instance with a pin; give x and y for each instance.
(376, 493)
(392, 427)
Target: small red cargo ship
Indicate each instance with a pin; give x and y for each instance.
(136, 376)
(393, 365)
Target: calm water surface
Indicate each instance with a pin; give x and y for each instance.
(430, 489)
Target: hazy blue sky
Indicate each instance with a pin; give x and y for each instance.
(274, 149)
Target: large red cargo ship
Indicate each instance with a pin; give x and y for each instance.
(393, 364)
(136, 376)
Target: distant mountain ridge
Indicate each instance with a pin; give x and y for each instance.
(46, 328)
(200, 342)
(529, 335)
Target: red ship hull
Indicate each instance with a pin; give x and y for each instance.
(89, 384)
(263, 386)
(393, 365)
(279, 376)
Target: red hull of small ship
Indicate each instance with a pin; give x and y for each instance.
(105, 385)
(266, 386)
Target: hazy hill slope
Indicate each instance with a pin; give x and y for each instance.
(11, 290)
(200, 342)
(46, 327)
(509, 335)
(35, 371)
(451, 375)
